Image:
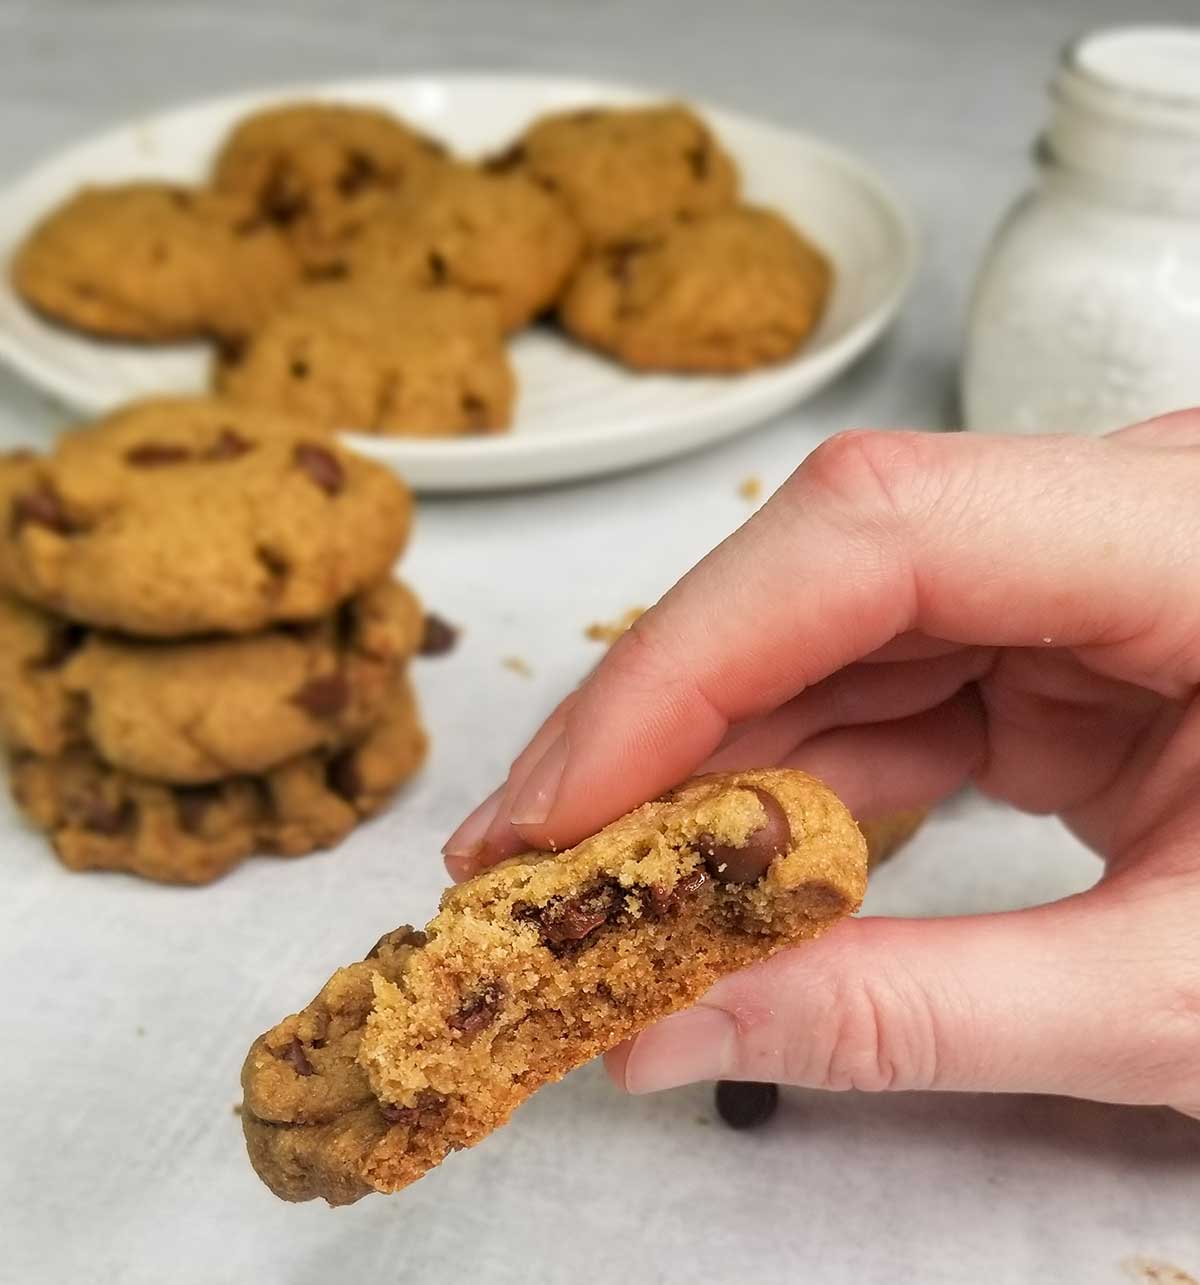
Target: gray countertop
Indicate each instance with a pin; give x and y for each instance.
(128, 1006)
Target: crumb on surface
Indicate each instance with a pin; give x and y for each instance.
(518, 666)
(608, 631)
(751, 487)
(141, 1030)
(237, 1109)
(1151, 1271)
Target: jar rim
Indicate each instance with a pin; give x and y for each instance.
(1089, 66)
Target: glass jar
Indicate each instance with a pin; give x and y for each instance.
(1086, 314)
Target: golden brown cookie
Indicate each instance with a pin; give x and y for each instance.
(100, 818)
(187, 515)
(320, 169)
(535, 967)
(155, 262)
(619, 168)
(886, 835)
(500, 235)
(378, 358)
(191, 712)
(723, 293)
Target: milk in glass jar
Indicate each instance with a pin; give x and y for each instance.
(1086, 315)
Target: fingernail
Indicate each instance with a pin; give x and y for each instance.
(536, 798)
(466, 840)
(697, 1044)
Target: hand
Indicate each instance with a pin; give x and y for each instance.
(908, 612)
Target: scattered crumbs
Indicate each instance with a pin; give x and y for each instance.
(141, 1030)
(518, 666)
(237, 1108)
(1152, 1271)
(751, 488)
(608, 631)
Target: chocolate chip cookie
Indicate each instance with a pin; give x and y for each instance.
(192, 712)
(498, 235)
(378, 358)
(723, 293)
(533, 968)
(100, 818)
(619, 168)
(154, 262)
(187, 515)
(319, 170)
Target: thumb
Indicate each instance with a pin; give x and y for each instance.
(1090, 997)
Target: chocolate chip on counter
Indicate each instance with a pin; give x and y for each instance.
(478, 1011)
(438, 637)
(230, 445)
(43, 507)
(343, 777)
(744, 1105)
(154, 454)
(729, 864)
(322, 466)
(295, 1057)
(662, 901)
(323, 697)
(570, 919)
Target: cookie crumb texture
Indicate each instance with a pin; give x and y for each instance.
(188, 515)
(532, 969)
(100, 818)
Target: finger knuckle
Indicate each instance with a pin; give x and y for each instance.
(883, 476)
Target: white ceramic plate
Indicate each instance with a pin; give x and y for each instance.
(577, 413)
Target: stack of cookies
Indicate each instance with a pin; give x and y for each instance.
(202, 651)
(352, 271)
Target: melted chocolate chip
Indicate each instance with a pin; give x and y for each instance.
(295, 1057)
(343, 777)
(230, 445)
(397, 937)
(729, 864)
(323, 697)
(322, 466)
(743, 1105)
(429, 1106)
(43, 507)
(478, 1011)
(438, 636)
(661, 901)
(567, 920)
(154, 454)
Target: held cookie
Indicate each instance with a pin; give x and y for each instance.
(535, 967)
(189, 515)
(100, 818)
(366, 356)
(498, 235)
(619, 168)
(154, 262)
(193, 712)
(319, 170)
(724, 293)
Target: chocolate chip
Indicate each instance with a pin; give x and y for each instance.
(697, 159)
(566, 920)
(429, 1106)
(101, 815)
(230, 445)
(343, 777)
(231, 349)
(295, 1057)
(661, 901)
(475, 409)
(438, 636)
(193, 804)
(506, 161)
(298, 369)
(729, 864)
(478, 1011)
(323, 697)
(438, 271)
(43, 507)
(279, 203)
(154, 454)
(620, 257)
(743, 1105)
(359, 171)
(404, 936)
(322, 466)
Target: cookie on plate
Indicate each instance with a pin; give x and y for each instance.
(532, 969)
(154, 262)
(378, 358)
(188, 515)
(319, 170)
(500, 235)
(191, 712)
(100, 818)
(619, 168)
(722, 293)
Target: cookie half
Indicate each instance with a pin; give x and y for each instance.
(189, 515)
(535, 967)
(100, 818)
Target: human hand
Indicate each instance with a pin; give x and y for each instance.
(908, 612)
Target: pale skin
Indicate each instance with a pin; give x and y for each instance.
(909, 612)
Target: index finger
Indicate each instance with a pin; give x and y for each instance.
(982, 540)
